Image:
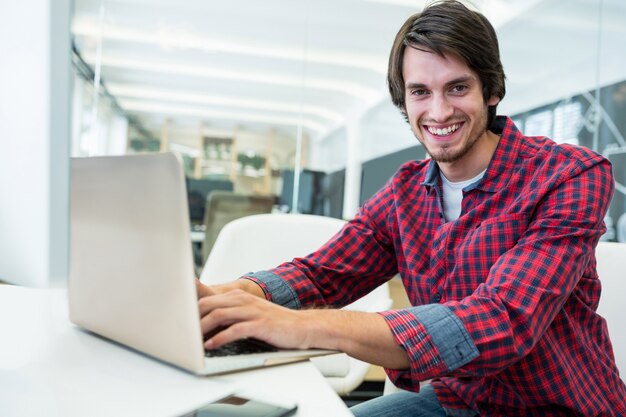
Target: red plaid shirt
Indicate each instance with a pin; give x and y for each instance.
(505, 296)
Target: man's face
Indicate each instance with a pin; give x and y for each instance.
(444, 105)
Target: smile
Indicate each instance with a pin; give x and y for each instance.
(445, 131)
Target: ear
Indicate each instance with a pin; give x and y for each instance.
(493, 100)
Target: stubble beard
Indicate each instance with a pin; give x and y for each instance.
(445, 154)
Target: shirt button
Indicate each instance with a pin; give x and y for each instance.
(437, 297)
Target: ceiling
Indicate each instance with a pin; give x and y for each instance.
(271, 65)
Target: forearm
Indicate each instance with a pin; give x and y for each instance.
(365, 336)
(238, 314)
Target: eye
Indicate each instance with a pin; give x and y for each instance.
(418, 92)
(459, 89)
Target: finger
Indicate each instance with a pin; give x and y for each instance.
(225, 317)
(230, 334)
(203, 290)
(224, 300)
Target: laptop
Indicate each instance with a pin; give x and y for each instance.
(131, 264)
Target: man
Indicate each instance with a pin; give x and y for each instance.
(493, 237)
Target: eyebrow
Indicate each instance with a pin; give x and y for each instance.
(458, 80)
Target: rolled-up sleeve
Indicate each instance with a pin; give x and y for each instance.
(276, 289)
(435, 340)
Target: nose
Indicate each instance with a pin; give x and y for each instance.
(440, 108)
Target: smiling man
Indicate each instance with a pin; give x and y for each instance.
(445, 108)
(493, 238)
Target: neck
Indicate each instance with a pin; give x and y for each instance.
(474, 162)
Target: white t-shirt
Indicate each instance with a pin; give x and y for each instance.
(453, 195)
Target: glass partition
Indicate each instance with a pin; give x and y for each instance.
(263, 94)
(565, 71)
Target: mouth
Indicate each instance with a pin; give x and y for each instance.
(445, 131)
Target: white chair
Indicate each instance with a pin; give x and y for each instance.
(611, 258)
(260, 242)
(223, 207)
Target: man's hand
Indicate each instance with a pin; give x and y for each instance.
(242, 284)
(239, 310)
(237, 314)
(203, 290)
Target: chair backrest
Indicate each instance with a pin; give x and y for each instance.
(223, 207)
(611, 259)
(263, 241)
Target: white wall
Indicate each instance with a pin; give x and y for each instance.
(34, 143)
(329, 153)
(379, 131)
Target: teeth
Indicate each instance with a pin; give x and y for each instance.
(445, 131)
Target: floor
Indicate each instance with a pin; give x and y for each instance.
(366, 391)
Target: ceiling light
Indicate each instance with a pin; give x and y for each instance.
(352, 89)
(132, 91)
(140, 106)
(169, 38)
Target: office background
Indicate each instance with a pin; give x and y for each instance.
(262, 96)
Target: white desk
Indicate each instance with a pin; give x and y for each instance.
(50, 367)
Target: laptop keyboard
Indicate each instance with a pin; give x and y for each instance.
(240, 347)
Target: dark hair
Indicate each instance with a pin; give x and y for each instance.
(449, 27)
